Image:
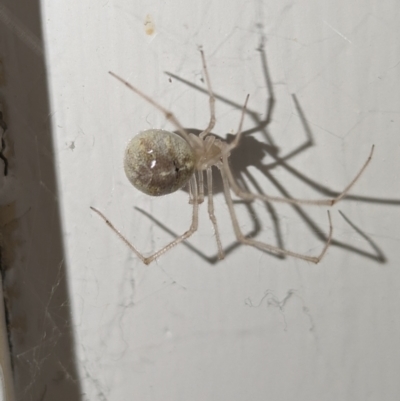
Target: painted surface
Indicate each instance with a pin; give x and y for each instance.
(252, 326)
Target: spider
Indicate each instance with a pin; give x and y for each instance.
(159, 162)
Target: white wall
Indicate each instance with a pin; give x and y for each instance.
(251, 326)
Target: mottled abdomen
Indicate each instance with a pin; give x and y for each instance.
(158, 162)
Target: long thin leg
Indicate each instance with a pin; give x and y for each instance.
(168, 115)
(319, 202)
(178, 240)
(239, 132)
(201, 186)
(261, 245)
(211, 214)
(211, 124)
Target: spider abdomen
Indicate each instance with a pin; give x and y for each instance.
(158, 162)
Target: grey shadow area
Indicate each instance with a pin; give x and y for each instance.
(34, 271)
(252, 152)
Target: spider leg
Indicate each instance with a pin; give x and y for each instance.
(168, 115)
(201, 186)
(178, 240)
(319, 202)
(239, 132)
(211, 124)
(211, 214)
(262, 245)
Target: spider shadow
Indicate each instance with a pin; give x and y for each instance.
(252, 153)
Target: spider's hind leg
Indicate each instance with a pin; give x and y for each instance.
(262, 245)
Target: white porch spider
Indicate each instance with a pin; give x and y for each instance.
(159, 162)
